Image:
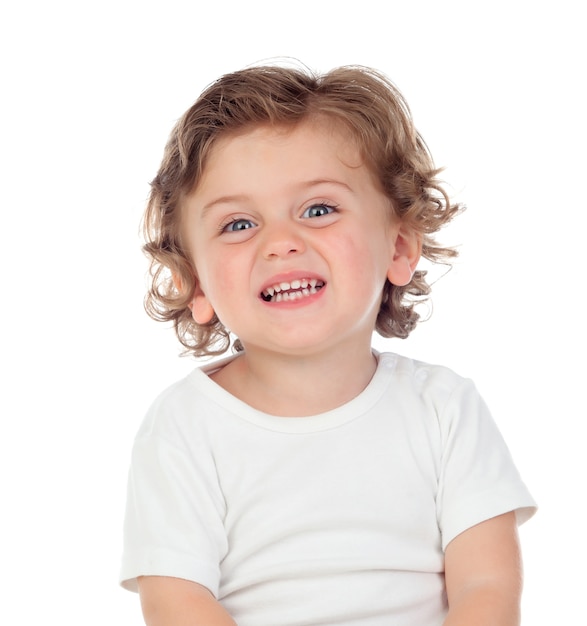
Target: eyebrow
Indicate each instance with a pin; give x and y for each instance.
(240, 198)
(223, 200)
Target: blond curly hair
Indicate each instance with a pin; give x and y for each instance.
(368, 105)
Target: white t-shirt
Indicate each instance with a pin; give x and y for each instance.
(337, 519)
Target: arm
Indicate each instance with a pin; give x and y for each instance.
(170, 601)
(483, 573)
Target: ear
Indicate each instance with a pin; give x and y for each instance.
(406, 254)
(201, 309)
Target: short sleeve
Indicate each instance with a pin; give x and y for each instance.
(478, 478)
(175, 510)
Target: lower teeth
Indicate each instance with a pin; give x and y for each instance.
(293, 295)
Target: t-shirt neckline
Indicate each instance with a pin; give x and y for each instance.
(334, 418)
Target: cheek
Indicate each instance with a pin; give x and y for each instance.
(364, 255)
(222, 275)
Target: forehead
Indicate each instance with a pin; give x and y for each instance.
(316, 146)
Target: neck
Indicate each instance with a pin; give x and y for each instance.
(297, 386)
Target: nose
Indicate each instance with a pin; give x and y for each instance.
(281, 240)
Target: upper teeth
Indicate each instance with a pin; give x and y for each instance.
(307, 285)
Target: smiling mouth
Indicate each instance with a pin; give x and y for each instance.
(296, 290)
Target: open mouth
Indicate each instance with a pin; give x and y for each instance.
(296, 290)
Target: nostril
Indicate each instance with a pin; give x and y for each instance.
(276, 253)
(281, 240)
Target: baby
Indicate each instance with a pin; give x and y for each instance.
(307, 479)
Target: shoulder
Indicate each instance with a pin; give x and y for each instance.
(447, 402)
(179, 406)
(425, 382)
(419, 370)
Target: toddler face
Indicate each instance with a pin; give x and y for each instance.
(292, 240)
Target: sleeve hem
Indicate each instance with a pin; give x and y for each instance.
(173, 566)
(484, 507)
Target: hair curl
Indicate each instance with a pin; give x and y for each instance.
(378, 117)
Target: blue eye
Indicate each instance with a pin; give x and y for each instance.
(238, 225)
(318, 210)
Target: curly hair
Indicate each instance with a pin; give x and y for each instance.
(368, 105)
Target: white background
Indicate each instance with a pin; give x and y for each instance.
(90, 93)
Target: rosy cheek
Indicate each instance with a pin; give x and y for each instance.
(228, 273)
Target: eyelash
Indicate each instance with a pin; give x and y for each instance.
(225, 228)
(321, 205)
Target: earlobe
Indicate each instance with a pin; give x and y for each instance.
(406, 254)
(401, 272)
(201, 309)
